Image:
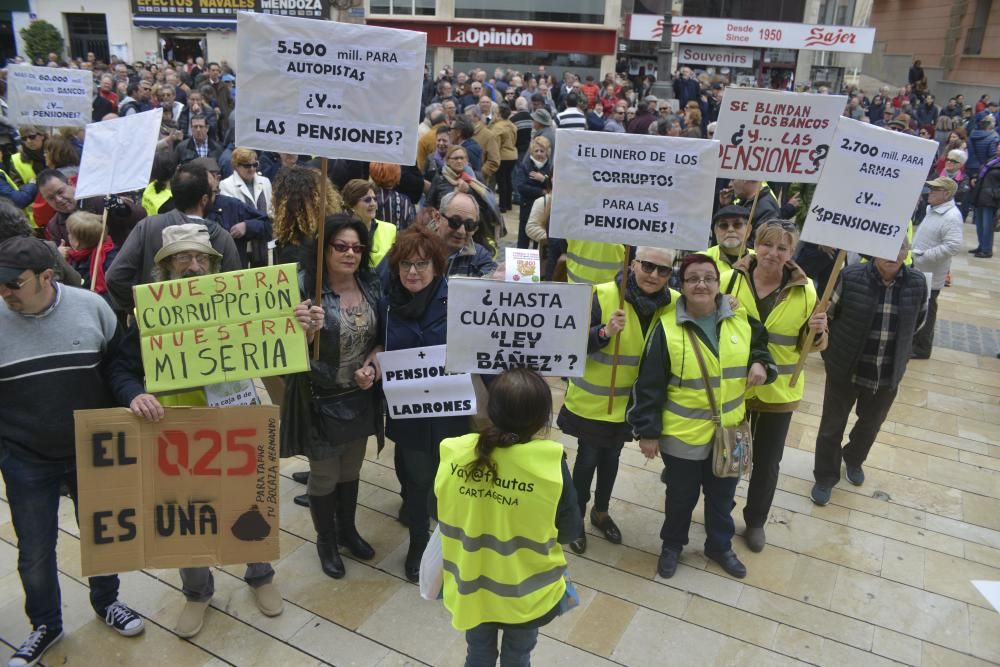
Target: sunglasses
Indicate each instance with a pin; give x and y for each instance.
(952, 160)
(736, 225)
(250, 165)
(341, 247)
(31, 137)
(650, 267)
(784, 224)
(456, 222)
(16, 284)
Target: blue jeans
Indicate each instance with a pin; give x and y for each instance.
(983, 217)
(515, 648)
(33, 494)
(685, 479)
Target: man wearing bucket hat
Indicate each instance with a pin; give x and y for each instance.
(936, 241)
(57, 342)
(541, 124)
(186, 252)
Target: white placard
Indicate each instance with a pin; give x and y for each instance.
(416, 385)
(337, 90)
(522, 264)
(767, 34)
(633, 189)
(989, 590)
(771, 134)
(118, 154)
(49, 96)
(870, 184)
(494, 326)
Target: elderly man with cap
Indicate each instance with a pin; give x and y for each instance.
(186, 251)
(192, 190)
(541, 126)
(732, 230)
(936, 241)
(57, 342)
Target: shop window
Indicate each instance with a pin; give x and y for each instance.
(403, 7)
(974, 37)
(579, 11)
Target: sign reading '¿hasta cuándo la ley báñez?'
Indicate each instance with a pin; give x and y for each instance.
(220, 327)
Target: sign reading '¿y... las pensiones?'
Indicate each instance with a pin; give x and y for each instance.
(49, 96)
(337, 90)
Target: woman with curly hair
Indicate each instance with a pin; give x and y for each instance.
(296, 204)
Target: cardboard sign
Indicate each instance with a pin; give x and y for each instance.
(870, 184)
(338, 90)
(632, 189)
(522, 264)
(220, 327)
(416, 384)
(49, 97)
(118, 154)
(494, 326)
(771, 134)
(199, 488)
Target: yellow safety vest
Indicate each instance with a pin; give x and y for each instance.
(687, 415)
(715, 252)
(22, 167)
(784, 326)
(909, 253)
(588, 396)
(593, 262)
(189, 398)
(153, 200)
(382, 238)
(502, 561)
(27, 209)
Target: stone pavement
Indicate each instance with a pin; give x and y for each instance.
(878, 577)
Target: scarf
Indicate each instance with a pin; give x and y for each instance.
(986, 167)
(538, 165)
(645, 304)
(453, 178)
(411, 306)
(78, 256)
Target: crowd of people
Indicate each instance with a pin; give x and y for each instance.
(700, 339)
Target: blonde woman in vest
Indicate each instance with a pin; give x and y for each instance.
(359, 196)
(505, 502)
(601, 433)
(775, 291)
(671, 413)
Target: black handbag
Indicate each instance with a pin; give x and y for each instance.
(345, 417)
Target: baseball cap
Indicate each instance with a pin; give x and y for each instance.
(21, 253)
(944, 183)
(731, 211)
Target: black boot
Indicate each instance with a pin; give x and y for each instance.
(301, 477)
(324, 516)
(413, 555)
(347, 531)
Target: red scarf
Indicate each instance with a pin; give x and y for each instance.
(78, 256)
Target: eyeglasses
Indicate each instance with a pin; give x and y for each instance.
(31, 137)
(341, 247)
(251, 165)
(190, 258)
(736, 225)
(14, 285)
(455, 222)
(420, 265)
(650, 267)
(695, 280)
(369, 199)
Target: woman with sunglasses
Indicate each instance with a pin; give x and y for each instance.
(329, 412)
(414, 313)
(359, 196)
(248, 186)
(601, 433)
(775, 291)
(672, 415)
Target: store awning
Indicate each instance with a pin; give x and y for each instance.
(183, 24)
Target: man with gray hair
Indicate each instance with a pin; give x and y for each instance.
(457, 223)
(602, 435)
(487, 141)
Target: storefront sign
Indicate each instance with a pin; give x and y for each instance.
(220, 327)
(770, 134)
(868, 188)
(769, 34)
(198, 488)
(226, 9)
(49, 97)
(632, 189)
(495, 326)
(510, 37)
(319, 88)
(719, 56)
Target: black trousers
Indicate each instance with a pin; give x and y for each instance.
(505, 183)
(595, 457)
(769, 432)
(839, 399)
(923, 340)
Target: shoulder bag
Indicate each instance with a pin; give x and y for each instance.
(732, 446)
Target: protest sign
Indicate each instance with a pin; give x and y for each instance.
(522, 264)
(494, 326)
(220, 327)
(337, 90)
(49, 96)
(198, 488)
(118, 154)
(771, 134)
(870, 184)
(632, 189)
(417, 385)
